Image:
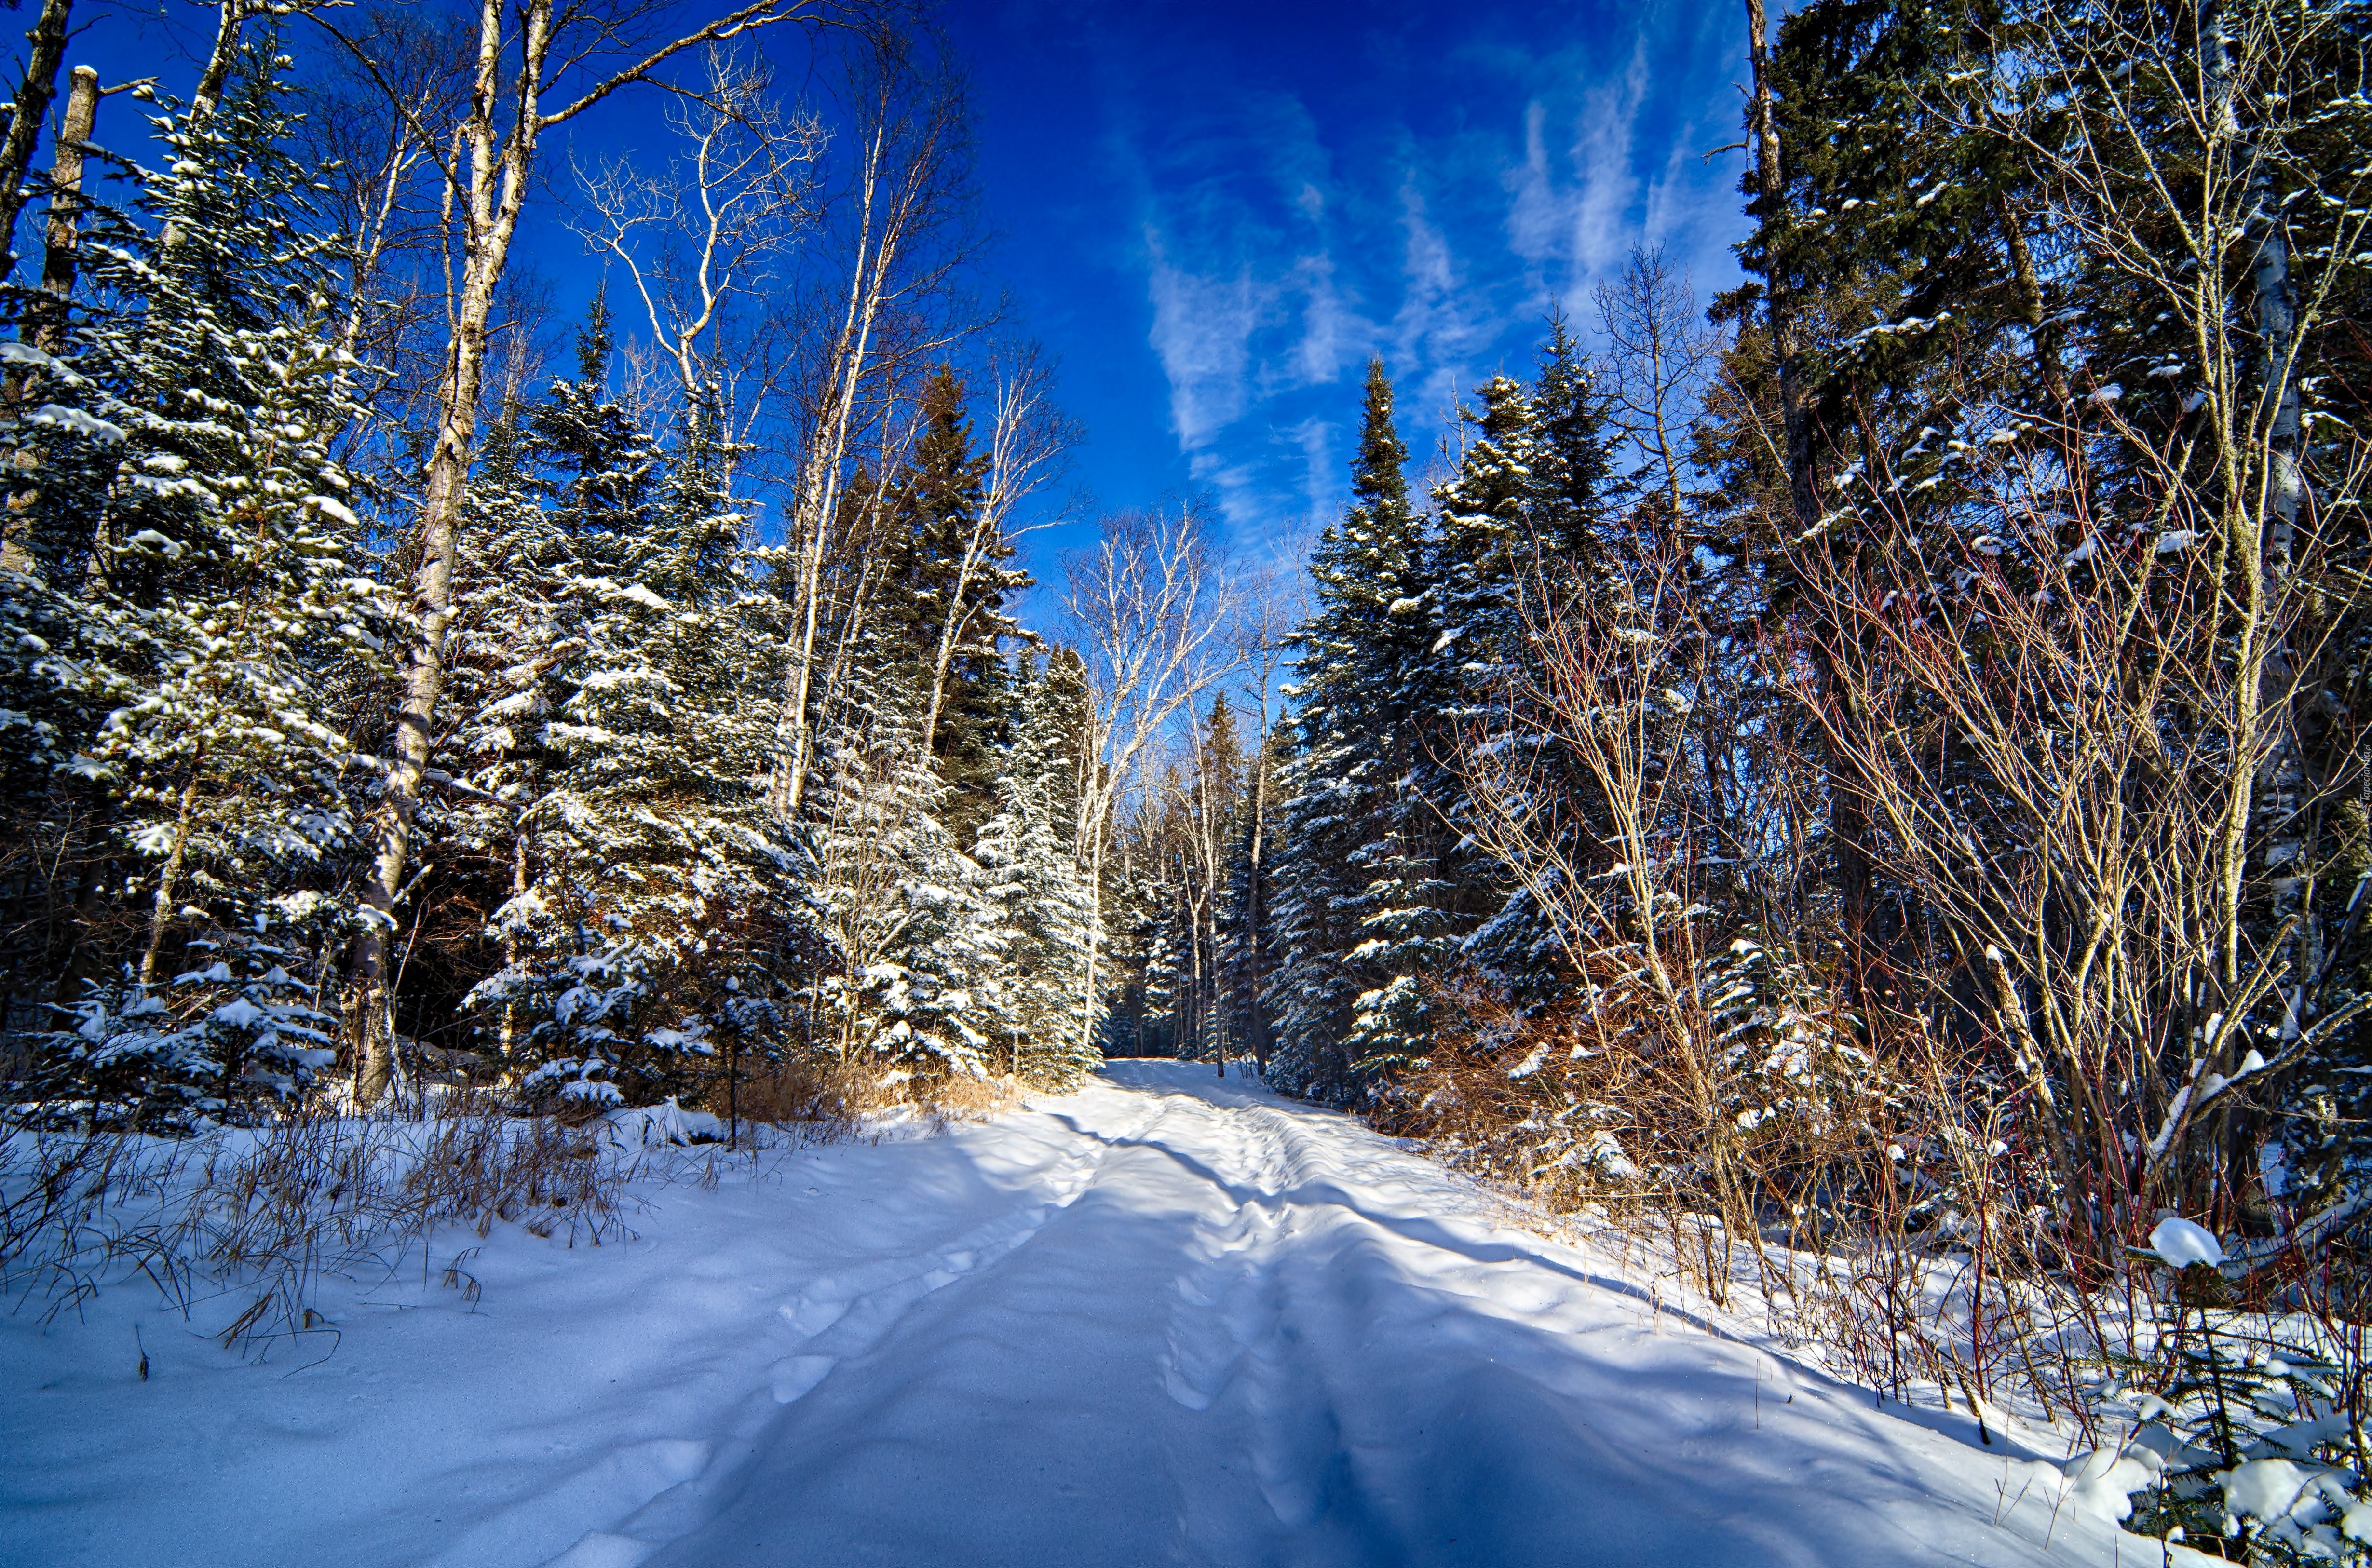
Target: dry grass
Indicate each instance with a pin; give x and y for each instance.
(974, 1099)
(1898, 1236)
(246, 1223)
(257, 1217)
(819, 1096)
(826, 1100)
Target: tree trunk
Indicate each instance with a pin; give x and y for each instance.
(1770, 180)
(498, 165)
(208, 95)
(819, 491)
(2045, 337)
(45, 315)
(490, 219)
(1095, 938)
(1255, 932)
(1848, 829)
(168, 879)
(34, 91)
(61, 252)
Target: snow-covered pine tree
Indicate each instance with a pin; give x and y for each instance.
(1479, 555)
(195, 587)
(942, 616)
(1351, 884)
(1572, 546)
(1571, 460)
(506, 635)
(1026, 856)
(645, 880)
(916, 991)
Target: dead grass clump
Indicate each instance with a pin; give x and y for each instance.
(816, 1096)
(261, 1215)
(972, 1099)
(532, 1172)
(834, 1097)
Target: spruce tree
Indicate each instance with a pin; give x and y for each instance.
(943, 597)
(644, 875)
(1572, 458)
(1026, 856)
(1351, 884)
(916, 987)
(192, 579)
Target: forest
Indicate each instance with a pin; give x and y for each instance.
(1868, 765)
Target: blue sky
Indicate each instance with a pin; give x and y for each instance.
(1214, 211)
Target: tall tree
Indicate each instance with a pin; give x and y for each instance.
(488, 176)
(1354, 828)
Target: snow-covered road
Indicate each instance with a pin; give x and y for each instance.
(1165, 1319)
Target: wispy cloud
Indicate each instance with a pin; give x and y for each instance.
(1321, 476)
(1443, 322)
(1572, 212)
(1282, 246)
(1333, 336)
(1202, 329)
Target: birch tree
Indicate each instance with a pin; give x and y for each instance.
(486, 160)
(1151, 605)
(718, 224)
(1028, 437)
(895, 227)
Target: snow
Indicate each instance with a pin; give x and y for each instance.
(2183, 1243)
(2266, 1489)
(2104, 1479)
(1168, 1318)
(80, 422)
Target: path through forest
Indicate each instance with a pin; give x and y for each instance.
(1169, 1319)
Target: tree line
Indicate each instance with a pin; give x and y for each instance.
(1879, 746)
(407, 690)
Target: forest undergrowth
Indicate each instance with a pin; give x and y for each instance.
(237, 1227)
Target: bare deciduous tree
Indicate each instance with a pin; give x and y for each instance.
(899, 218)
(1661, 352)
(700, 235)
(1151, 604)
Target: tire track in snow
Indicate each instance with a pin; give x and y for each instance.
(680, 1483)
(1239, 1356)
(1351, 1365)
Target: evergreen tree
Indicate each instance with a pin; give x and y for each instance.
(1486, 546)
(1351, 871)
(1572, 458)
(190, 569)
(916, 991)
(1575, 543)
(944, 600)
(1030, 864)
(641, 863)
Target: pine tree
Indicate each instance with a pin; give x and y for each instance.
(944, 600)
(196, 574)
(1571, 546)
(645, 880)
(1485, 548)
(1350, 869)
(916, 990)
(1572, 460)
(1025, 853)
